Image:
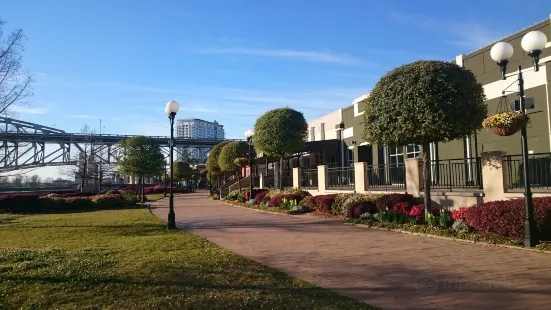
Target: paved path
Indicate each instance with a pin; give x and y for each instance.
(385, 269)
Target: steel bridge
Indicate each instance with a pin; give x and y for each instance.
(23, 145)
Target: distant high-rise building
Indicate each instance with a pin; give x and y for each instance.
(193, 128)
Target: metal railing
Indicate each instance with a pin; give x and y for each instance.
(256, 180)
(460, 173)
(287, 178)
(269, 180)
(386, 176)
(340, 178)
(309, 178)
(539, 165)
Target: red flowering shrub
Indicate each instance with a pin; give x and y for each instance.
(418, 211)
(310, 202)
(355, 210)
(276, 200)
(159, 189)
(259, 197)
(387, 202)
(402, 207)
(324, 202)
(459, 214)
(108, 201)
(506, 218)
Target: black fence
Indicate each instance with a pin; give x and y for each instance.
(340, 178)
(269, 180)
(287, 178)
(256, 180)
(539, 171)
(386, 176)
(309, 178)
(461, 173)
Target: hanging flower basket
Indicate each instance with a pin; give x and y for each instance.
(506, 123)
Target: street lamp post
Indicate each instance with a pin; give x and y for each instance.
(533, 43)
(171, 109)
(249, 136)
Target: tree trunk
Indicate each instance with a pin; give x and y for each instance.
(427, 179)
(138, 188)
(83, 176)
(143, 189)
(281, 172)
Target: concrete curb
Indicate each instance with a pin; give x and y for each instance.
(238, 206)
(449, 238)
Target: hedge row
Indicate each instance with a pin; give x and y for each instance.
(33, 203)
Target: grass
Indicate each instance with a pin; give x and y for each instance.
(154, 197)
(126, 259)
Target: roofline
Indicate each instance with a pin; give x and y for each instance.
(510, 37)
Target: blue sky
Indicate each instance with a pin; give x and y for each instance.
(230, 61)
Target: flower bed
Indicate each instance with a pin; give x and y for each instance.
(288, 200)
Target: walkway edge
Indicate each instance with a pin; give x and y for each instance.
(450, 238)
(411, 233)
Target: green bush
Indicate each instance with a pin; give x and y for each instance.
(129, 199)
(344, 202)
(108, 201)
(445, 220)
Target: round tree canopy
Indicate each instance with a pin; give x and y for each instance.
(280, 132)
(424, 102)
(212, 161)
(230, 152)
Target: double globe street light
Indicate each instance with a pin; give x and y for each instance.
(533, 43)
(249, 136)
(171, 109)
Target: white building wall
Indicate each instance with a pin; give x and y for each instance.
(330, 121)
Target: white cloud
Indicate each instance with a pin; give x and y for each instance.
(28, 110)
(311, 56)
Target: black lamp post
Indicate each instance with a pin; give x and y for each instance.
(249, 136)
(533, 43)
(171, 109)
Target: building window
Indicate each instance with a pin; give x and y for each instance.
(413, 151)
(350, 157)
(396, 155)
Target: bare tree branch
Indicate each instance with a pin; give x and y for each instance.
(15, 82)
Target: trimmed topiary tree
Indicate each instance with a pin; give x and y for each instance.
(280, 132)
(212, 162)
(232, 157)
(421, 103)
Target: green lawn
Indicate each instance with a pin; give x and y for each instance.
(155, 197)
(126, 259)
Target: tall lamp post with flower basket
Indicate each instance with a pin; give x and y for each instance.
(509, 122)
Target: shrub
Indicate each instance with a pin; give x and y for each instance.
(506, 218)
(460, 225)
(159, 189)
(324, 202)
(309, 202)
(108, 201)
(445, 219)
(337, 208)
(417, 212)
(129, 199)
(276, 201)
(402, 207)
(79, 203)
(259, 197)
(359, 208)
(387, 202)
(459, 214)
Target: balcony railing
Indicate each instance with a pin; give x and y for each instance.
(340, 178)
(309, 178)
(386, 176)
(539, 166)
(462, 173)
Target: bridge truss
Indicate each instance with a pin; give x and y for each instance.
(26, 145)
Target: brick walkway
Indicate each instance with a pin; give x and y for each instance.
(385, 269)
